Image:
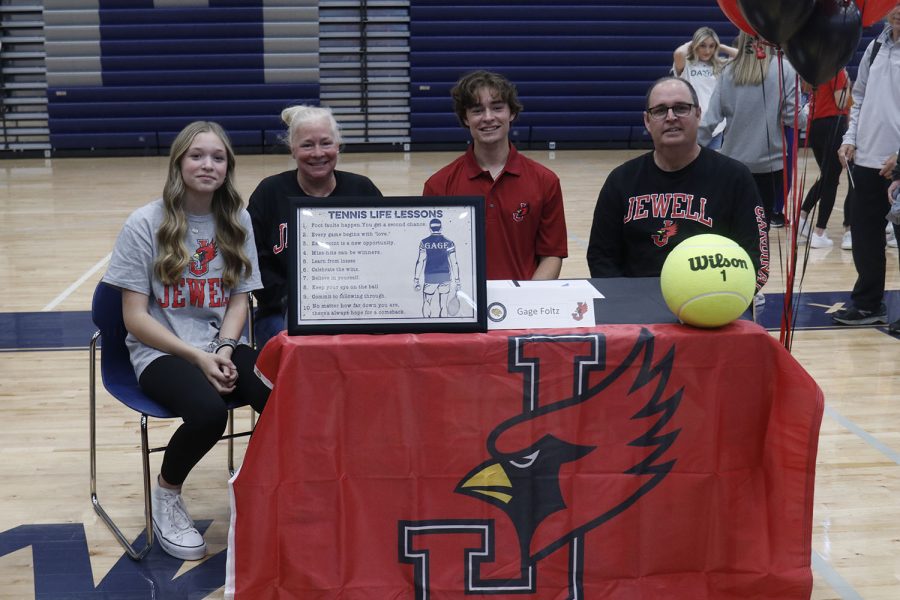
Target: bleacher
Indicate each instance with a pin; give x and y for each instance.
(125, 76)
(129, 77)
(581, 69)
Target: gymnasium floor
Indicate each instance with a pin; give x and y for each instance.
(58, 222)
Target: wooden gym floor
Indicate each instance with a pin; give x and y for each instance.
(58, 222)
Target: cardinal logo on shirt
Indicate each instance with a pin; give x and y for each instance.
(667, 231)
(521, 212)
(204, 254)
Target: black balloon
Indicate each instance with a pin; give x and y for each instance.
(826, 42)
(776, 20)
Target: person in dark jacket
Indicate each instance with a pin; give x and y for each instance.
(314, 138)
(651, 203)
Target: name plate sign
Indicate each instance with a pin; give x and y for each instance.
(541, 304)
(386, 265)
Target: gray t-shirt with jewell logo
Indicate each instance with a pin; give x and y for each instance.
(194, 307)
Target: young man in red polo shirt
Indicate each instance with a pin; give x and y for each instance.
(525, 225)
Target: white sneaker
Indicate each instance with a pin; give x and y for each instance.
(820, 241)
(174, 527)
(802, 231)
(759, 304)
(847, 241)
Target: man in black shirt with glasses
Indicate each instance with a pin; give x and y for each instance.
(651, 203)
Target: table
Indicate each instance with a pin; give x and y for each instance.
(621, 461)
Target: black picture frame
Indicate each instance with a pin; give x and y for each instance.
(353, 263)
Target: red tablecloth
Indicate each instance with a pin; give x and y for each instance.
(620, 462)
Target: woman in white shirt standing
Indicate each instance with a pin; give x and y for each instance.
(701, 61)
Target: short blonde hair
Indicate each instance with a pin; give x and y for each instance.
(301, 115)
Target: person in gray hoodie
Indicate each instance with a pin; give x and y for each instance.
(755, 107)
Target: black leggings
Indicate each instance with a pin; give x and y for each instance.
(770, 185)
(825, 137)
(183, 389)
(870, 205)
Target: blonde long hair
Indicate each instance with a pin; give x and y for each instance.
(227, 203)
(747, 68)
(718, 63)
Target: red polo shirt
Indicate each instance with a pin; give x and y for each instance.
(524, 216)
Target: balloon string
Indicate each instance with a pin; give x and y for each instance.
(764, 69)
(792, 205)
(810, 219)
(784, 333)
(792, 192)
(823, 168)
(796, 206)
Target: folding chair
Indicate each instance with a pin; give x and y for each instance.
(119, 380)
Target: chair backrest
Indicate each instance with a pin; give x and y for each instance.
(115, 364)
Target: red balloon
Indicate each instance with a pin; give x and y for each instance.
(872, 10)
(734, 14)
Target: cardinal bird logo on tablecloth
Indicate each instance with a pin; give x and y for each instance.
(527, 453)
(564, 465)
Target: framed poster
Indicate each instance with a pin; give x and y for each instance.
(386, 265)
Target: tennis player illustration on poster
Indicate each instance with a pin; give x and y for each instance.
(437, 262)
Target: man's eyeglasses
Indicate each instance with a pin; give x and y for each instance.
(659, 112)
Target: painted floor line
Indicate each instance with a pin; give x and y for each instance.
(863, 434)
(68, 291)
(840, 585)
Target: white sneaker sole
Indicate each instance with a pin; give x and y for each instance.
(182, 552)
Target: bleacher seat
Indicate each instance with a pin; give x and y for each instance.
(237, 62)
(582, 68)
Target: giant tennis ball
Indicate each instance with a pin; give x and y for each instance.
(708, 280)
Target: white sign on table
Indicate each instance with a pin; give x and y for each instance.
(558, 303)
